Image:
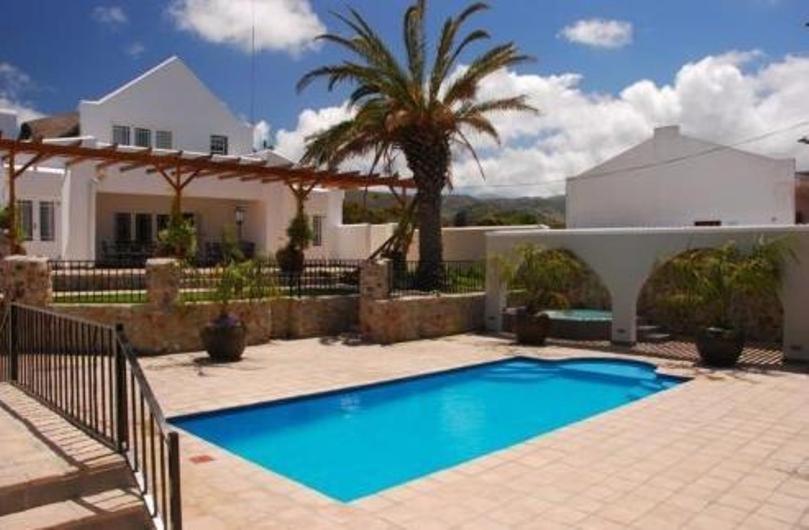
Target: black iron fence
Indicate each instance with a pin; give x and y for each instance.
(88, 373)
(457, 277)
(256, 280)
(94, 282)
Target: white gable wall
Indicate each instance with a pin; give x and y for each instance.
(706, 183)
(169, 97)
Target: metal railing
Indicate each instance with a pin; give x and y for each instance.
(89, 374)
(97, 282)
(318, 278)
(457, 277)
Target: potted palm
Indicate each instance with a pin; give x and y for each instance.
(713, 283)
(545, 276)
(225, 336)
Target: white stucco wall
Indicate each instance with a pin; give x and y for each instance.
(674, 180)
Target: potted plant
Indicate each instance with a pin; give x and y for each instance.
(178, 239)
(713, 283)
(225, 336)
(545, 276)
(290, 258)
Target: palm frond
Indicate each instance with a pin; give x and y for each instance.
(415, 44)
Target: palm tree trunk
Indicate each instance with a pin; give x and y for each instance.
(428, 159)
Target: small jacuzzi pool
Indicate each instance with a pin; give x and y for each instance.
(573, 324)
(581, 324)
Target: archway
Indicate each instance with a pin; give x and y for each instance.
(624, 259)
(580, 307)
(668, 323)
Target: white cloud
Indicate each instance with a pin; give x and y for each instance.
(291, 143)
(112, 16)
(719, 98)
(261, 135)
(723, 98)
(14, 84)
(281, 25)
(135, 49)
(599, 33)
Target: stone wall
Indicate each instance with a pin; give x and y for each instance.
(176, 328)
(26, 280)
(421, 317)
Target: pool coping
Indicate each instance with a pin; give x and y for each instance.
(656, 369)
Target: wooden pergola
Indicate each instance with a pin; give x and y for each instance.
(179, 169)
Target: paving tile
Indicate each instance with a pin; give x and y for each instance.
(721, 451)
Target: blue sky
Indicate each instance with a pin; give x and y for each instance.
(63, 51)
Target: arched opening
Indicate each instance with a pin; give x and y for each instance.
(580, 312)
(668, 321)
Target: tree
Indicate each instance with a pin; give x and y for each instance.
(409, 108)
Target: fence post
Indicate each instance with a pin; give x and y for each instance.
(175, 499)
(121, 419)
(12, 344)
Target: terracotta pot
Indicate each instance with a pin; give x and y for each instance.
(224, 338)
(720, 347)
(531, 328)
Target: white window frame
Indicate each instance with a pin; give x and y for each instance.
(160, 138)
(317, 230)
(143, 133)
(126, 131)
(219, 144)
(26, 206)
(47, 221)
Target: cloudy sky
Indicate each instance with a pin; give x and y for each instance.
(607, 73)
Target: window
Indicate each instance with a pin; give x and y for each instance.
(121, 135)
(707, 223)
(123, 227)
(46, 221)
(189, 217)
(26, 213)
(317, 230)
(219, 144)
(163, 140)
(143, 137)
(143, 228)
(162, 222)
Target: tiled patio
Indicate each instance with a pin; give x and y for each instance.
(727, 450)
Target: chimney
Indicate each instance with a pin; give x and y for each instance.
(8, 124)
(667, 132)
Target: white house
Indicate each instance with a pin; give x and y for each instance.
(674, 180)
(79, 212)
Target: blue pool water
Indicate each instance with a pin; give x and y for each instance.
(356, 442)
(581, 315)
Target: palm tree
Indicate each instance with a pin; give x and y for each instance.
(402, 107)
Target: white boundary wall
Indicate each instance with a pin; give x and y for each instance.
(624, 259)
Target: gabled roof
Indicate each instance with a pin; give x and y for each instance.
(173, 63)
(57, 126)
(683, 147)
(138, 79)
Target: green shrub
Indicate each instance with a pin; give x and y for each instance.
(178, 239)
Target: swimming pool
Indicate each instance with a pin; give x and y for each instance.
(352, 443)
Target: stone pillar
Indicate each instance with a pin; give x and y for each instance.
(163, 282)
(374, 290)
(27, 280)
(375, 280)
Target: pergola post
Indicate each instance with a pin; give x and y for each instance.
(12, 204)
